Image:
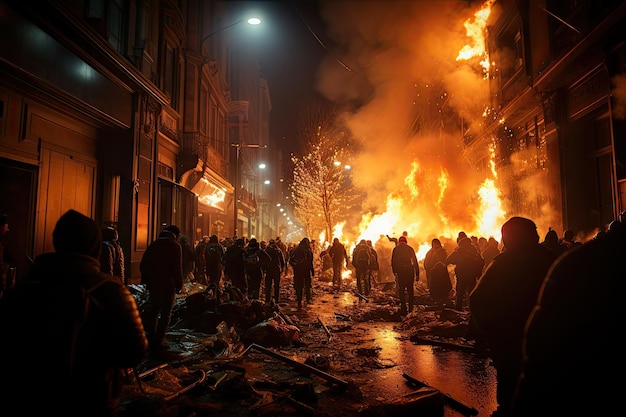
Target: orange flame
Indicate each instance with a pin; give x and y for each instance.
(475, 30)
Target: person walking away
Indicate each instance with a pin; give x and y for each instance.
(374, 267)
(273, 271)
(256, 260)
(468, 267)
(234, 266)
(437, 276)
(7, 270)
(189, 259)
(301, 260)
(503, 298)
(361, 262)
(339, 255)
(490, 251)
(214, 260)
(69, 331)
(200, 272)
(283, 247)
(551, 241)
(571, 347)
(436, 253)
(406, 269)
(162, 272)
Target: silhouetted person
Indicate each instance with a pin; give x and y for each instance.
(301, 260)
(503, 298)
(406, 269)
(162, 272)
(339, 255)
(234, 266)
(572, 352)
(437, 276)
(256, 260)
(468, 267)
(68, 331)
(273, 271)
(112, 255)
(490, 251)
(214, 260)
(361, 262)
(551, 241)
(189, 259)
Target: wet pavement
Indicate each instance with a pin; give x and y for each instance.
(367, 345)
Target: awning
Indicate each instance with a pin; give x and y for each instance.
(210, 188)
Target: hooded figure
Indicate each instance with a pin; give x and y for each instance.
(504, 297)
(88, 322)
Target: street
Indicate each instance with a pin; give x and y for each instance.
(359, 359)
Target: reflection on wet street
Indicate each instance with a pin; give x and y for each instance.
(465, 376)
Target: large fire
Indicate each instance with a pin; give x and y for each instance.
(419, 207)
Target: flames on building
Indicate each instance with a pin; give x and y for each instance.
(422, 176)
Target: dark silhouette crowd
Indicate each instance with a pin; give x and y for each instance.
(548, 310)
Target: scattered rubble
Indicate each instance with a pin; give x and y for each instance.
(232, 356)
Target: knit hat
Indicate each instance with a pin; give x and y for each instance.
(75, 232)
(402, 239)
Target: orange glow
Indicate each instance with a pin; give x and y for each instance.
(475, 31)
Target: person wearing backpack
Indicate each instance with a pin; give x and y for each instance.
(214, 258)
(69, 331)
(339, 255)
(256, 260)
(361, 262)
(406, 269)
(161, 270)
(273, 271)
(301, 260)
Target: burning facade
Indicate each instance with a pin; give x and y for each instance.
(476, 114)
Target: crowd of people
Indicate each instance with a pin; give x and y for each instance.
(524, 297)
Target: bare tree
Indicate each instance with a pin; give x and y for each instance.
(322, 190)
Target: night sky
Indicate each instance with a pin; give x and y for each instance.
(290, 55)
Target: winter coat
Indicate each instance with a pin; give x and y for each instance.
(162, 264)
(404, 261)
(41, 322)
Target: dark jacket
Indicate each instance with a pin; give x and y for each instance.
(277, 262)
(404, 260)
(339, 253)
(38, 321)
(467, 260)
(301, 260)
(162, 264)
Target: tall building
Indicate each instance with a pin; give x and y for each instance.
(121, 110)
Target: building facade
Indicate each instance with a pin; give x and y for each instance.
(121, 110)
(555, 123)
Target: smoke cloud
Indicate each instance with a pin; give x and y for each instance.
(402, 80)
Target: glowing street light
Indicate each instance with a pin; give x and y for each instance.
(253, 21)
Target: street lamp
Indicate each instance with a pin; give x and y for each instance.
(253, 21)
(238, 147)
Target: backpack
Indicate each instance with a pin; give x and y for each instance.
(363, 258)
(298, 257)
(252, 258)
(213, 255)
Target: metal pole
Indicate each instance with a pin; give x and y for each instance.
(236, 190)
